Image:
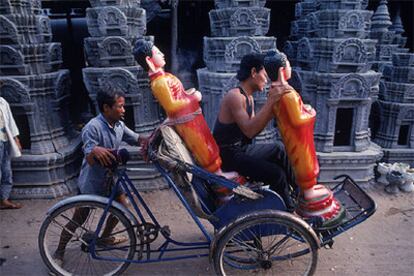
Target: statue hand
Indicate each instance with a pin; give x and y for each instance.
(195, 93)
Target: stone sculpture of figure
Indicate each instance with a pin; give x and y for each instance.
(181, 106)
(296, 123)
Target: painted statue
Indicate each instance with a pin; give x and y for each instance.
(296, 122)
(181, 106)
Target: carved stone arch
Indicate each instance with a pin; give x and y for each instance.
(239, 47)
(110, 17)
(350, 86)
(7, 27)
(351, 20)
(388, 36)
(10, 56)
(350, 51)
(304, 50)
(55, 52)
(118, 78)
(14, 91)
(62, 84)
(115, 46)
(313, 22)
(43, 25)
(387, 51)
(243, 17)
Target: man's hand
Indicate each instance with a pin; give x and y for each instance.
(102, 155)
(143, 142)
(19, 145)
(276, 91)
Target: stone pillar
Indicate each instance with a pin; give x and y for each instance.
(392, 117)
(237, 28)
(332, 54)
(38, 93)
(114, 26)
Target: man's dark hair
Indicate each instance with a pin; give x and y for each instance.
(272, 62)
(108, 97)
(248, 62)
(142, 49)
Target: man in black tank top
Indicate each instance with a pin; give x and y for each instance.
(237, 124)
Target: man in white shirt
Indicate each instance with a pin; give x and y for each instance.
(9, 147)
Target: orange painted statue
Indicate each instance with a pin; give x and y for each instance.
(296, 122)
(181, 106)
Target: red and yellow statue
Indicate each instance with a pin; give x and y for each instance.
(182, 107)
(296, 123)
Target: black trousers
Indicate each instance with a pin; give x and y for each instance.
(266, 163)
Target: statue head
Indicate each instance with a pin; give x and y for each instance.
(148, 56)
(249, 64)
(277, 66)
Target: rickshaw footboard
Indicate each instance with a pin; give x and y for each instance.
(357, 204)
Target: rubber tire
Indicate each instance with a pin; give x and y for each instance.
(122, 219)
(259, 219)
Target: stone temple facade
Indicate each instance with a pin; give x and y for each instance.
(238, 27)
(392, 117)
(332, 54)
(38, 92)
(114, 26)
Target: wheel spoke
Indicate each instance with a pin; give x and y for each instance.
(70, 232)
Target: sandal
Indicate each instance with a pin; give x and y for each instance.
(112, 240)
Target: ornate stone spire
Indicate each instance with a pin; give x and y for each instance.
(397, 25)
(381, 20)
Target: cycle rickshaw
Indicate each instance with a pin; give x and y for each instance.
(253, 232)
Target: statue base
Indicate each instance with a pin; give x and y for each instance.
(319, 201)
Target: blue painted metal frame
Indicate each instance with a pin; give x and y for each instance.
(127, 186)
(270, 199)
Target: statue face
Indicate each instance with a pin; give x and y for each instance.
(288, 70)
(157, 58)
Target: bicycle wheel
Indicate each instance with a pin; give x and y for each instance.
(65, 237)
(268, 244)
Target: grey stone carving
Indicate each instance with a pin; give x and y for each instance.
(392, 115)
(239, 22)
(114, 26)
(332, 52)
(395, 110)
(38, 93)
(237, 28)
(222, 4)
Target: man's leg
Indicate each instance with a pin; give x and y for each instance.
(78, 218)
(112, 221)
(6, 180)
(274, 153)
(267, 163)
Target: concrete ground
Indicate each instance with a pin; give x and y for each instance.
(382, 245)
